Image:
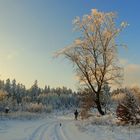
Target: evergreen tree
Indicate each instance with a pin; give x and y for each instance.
(34, 91)
(128, 110)
(8, 87)
(46, 89)
(13, 89)
(2, 84)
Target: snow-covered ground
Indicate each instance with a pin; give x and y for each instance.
(49, 129)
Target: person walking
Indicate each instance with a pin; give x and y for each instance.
(76, 114)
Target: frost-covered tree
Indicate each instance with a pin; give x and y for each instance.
(94, 53)
(3, 98)
(13, 88)
(34, 91)
(8, 87)
(20, 92)
(46, 89)
(128, 110)
(2, 84)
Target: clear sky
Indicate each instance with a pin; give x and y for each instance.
(32, 30)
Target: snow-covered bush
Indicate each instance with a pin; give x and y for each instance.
(35, 107)
(49, 108)
(128, 109)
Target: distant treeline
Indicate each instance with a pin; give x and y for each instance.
(17, 97)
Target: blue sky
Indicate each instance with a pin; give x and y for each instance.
(32, 30)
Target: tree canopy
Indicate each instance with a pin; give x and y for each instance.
(94, 53)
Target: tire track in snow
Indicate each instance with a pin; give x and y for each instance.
(49, 131)
(45, 131)
(39, 132)
(57, 134)
(68, 131)
(60, 133)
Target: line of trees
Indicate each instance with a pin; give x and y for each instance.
(17, 97)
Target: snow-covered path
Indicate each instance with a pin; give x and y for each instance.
(50, 129)
(46, 129)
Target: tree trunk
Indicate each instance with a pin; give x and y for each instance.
(98, 103)
(100, 109)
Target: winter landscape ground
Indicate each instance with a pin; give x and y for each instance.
(48, 128)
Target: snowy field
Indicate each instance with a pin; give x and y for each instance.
(49, 129)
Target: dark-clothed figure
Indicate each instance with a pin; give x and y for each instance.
(6, 110)
(76, 114)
